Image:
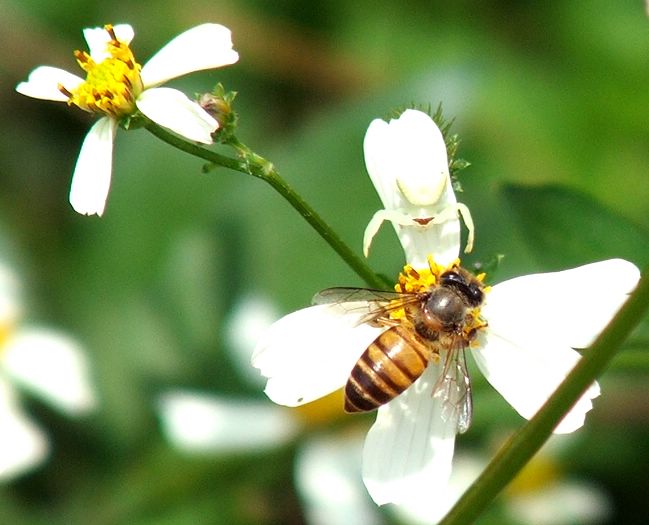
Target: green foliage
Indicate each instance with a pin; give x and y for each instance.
(555, 220)
(549, 101)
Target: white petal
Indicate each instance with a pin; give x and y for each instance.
(53, 366)
(328, 478)
(97, 39)
(172, 109)
(203, 47)
(442, 240)
(10, 299)
(22, 445)
(533, 322)
(44, 83)
(310, 353)
(409, 449)
(249, 318)
(466, 469)
(199, 423)
(560, 503)
(91, 178)
(421, 155)
(407, 162)
(571, 306)
(527, 373)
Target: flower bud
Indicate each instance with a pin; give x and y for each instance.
(219, 105)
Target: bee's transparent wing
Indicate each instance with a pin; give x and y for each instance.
(351, 295)
(453, 390)
(373, 306)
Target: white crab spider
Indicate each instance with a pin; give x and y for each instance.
(402, 218)
(407, 161)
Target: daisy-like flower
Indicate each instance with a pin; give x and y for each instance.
(117, 86)
(49, 364)
(522, 335)
(524, 345)
(407, 161)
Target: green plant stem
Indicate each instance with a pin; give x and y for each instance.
(520, 448)
(252, 164)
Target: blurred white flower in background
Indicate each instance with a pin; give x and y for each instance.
(541, 493)
(249, 318)
(196, 422)
(200, 423)
(327, 466)
(327, 477)
(49, 364)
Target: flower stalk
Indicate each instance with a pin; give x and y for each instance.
(520, 448)
(252, 164)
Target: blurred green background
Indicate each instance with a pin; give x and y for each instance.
(550, 100)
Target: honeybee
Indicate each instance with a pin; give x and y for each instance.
(436, 324)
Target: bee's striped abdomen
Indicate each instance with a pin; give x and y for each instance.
(388, 366)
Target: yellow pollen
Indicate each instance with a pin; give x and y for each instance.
(6, 329)
(111, 86)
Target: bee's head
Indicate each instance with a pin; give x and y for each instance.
(469, 288)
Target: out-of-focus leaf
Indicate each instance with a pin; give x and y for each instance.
(557, 220)
(564, 228)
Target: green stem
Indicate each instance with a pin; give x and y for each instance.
(520, 448)
(253, 164)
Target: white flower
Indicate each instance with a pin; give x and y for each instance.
(22, 444)
(117, 86)
(197, 422)
(200, 423)
(560, 503)
(327, 469)
(407, 162)
(525, 348)
(46, 362)
(327, 466)
(534, 322)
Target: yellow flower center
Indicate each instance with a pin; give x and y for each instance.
(541, 472)
(323, 410)
(111, 86)
(6, 329)
(420, 281)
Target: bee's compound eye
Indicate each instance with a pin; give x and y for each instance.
(470, 289)
(475, 294)
(452, 278)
